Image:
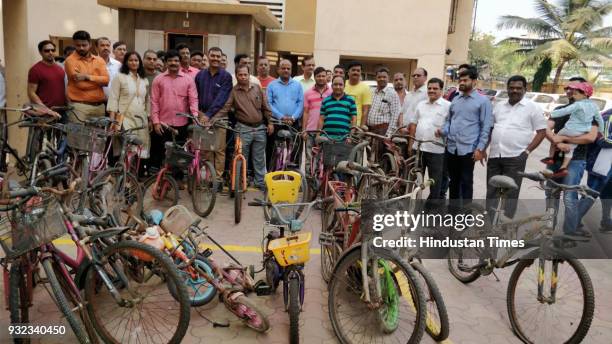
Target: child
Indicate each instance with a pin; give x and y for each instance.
(582, 112)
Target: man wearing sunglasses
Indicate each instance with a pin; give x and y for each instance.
(414, 97)
(46, 80)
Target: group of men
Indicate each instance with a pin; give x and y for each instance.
(462, 128)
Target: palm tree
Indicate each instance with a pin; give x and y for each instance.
(569, 31)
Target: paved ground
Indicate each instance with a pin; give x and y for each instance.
(477, 311)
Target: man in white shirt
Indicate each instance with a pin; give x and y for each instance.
(307, 79)
(519, 126)
(419, 94)
(244, 60)
(112, 66)
(429, 116)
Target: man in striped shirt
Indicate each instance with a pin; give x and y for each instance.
(338, 112)
(312, 106)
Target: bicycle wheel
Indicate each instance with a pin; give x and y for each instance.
(564, 319)
(437, 325)
(461, 260)
(203, 193)
(294, 311)
(330, 249)
(400, 315)
(238, 192)
(121, 192)
(246, 310)
(162, 195)
(146, 312)
(199, 290)
(371, 188)
(74, 320)
(18, 300)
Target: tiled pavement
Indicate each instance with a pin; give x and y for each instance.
(477, 311)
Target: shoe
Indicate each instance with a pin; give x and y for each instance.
(580, 233)
(606, 229)
(548, 160)
(561, 173)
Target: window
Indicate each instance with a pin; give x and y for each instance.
(277, 7)
(452, 19)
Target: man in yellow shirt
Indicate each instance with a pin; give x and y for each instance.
(358, 90)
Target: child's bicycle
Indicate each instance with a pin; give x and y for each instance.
(284, 256)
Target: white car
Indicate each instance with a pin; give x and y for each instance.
(602, 103)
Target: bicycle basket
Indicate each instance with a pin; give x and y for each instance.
(205, 139)
(333, 153)
(177, 219)
(36, 223)
(85, 138)
(291, 250)
(177, 157)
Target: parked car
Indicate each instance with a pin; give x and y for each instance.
(602, 103)
(372, 85)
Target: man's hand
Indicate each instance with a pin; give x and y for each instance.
(270, 129)
(479, 156)
(564, 147)
(203, 119)
(288, 119)
(558, 139)
(404, 131)
(438, 132)
(81, 77)
(159, 129)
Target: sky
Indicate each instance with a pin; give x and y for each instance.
(489, 11)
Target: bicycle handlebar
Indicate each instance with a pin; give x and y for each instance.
(542, 179)
(277, 206)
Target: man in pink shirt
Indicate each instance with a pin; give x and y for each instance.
(172, 92)
(312, 106)
(185, 57)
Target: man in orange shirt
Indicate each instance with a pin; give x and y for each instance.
(87, 75)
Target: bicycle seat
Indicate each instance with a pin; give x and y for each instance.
(134, 140)
(503, 182)
(399, 140)
(342, 167)
(321, 139)
(284, 134)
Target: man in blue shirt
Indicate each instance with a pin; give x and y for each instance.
(286, 100)
(285, 95)
(467, 130)
(214, 86)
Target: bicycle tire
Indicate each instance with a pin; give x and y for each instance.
(18, 301)
(170, 198)
(349, 262)
(238, 187)
(165, 272)
(294, 311)
(433, 294)
(252, 311)
(206, 186)
(203, 266)
(588, 302)
(131, 203)
(464, 277)
(329, 253)
(74, 320)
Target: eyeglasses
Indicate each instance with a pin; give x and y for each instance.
(49, 50)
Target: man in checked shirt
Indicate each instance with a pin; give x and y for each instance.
(384, 113)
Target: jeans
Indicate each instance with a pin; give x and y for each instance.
(597, 183)
(435, 166)
(507, 167)
(254, 147)
(158, 149)
(461, 173)
(570, 198)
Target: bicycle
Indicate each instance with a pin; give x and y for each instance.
(548, 255)
(238, 186)
(371, 291)
(284, 256)
(202, 174)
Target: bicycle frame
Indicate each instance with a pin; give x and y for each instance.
(238, 157)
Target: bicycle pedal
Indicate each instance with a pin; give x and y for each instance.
(262, 288)
(326, 239)
(207, 253)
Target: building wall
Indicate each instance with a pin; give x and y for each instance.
(458, 41)
(240, 26)
(298, 33)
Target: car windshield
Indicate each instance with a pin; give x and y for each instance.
(542, 98)
(529, 95)
(502, 94)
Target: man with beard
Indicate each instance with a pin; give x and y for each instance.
(46, 80)
(467, 130)
(87, 75)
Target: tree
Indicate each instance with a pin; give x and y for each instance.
(499, 60)
(570, 31)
